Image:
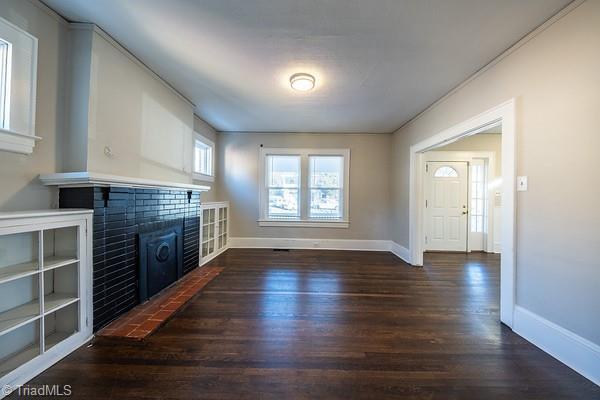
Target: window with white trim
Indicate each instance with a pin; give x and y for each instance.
(203, 158)
(478, 199)
(304, 187)
(5, 69)
(18, 71)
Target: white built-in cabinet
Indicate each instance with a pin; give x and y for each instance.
(45, 290)
(214, 230)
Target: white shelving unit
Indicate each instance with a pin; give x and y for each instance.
(45, 290)
(214, 230)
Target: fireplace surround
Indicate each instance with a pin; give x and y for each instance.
(121, 214)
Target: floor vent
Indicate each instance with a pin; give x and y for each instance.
(281, 249)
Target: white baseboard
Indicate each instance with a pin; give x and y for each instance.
(569, 348)
(325, 244)
(400, 251)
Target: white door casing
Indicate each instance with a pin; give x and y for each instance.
(504, 114)
(446, 197)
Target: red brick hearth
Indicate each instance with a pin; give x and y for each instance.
(146, 318)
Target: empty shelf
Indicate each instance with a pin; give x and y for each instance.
(19, 316)
(16, 360)
(58, 261)
(56, 301)
(55, 338)
(17, 271)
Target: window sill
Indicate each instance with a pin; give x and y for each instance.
(304, 223)
(202, 177)
(17, 142)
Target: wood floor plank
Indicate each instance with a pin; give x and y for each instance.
(315, 324)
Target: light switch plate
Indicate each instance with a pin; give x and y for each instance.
(521, 183)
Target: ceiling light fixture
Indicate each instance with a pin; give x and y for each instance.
(302, 82)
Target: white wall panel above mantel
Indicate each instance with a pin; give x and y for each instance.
(124, 119)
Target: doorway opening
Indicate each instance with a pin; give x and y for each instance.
(478, 208)
(462, 194)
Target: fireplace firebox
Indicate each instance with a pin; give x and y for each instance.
(160, 260)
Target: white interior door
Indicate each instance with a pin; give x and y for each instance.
(446, 194)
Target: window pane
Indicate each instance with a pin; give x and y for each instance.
(283, 171)
(326, 171)
(283, 203)
(4, 84)
(445, 172)
(478, 195)
(325, 203)
(202, 158)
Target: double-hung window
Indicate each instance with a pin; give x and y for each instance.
(18, 71)
(5, 69)
(304, 187)
(203, 158)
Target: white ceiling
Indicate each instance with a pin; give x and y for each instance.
(377, 62)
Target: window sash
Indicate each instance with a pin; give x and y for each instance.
(478, 199)
(203, 156)
(286, 200)
(5, 49)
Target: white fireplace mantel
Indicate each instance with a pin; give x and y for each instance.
(83, 179)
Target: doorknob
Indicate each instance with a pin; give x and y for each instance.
(465, 212)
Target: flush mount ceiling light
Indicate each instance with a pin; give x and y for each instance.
(302, 82)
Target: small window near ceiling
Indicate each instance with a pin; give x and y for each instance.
(18, 83)
(446, 172)
(203, 158)
(5, 66)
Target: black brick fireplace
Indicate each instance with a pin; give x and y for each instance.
(120, 215)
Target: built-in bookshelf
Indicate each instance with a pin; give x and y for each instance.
(45, 288)
(214, 232)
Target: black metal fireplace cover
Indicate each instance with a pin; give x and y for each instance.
(159, 249)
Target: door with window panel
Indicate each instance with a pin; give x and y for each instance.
(214, 232)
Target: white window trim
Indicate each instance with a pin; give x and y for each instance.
(306, 222)
(21, 139)
(197, 176)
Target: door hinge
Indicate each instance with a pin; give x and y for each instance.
(426, 204)
(426, 167)
(87, 323)
(426, 240)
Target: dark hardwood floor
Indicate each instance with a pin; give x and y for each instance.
(330, 325)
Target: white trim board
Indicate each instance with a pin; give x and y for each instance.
(320, 244)
(502, 114)
(85, 178)
(400, 251)
(567, 347)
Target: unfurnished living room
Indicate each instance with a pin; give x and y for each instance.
(299, 199)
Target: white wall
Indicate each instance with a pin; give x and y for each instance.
(370, 163)
(554, 78)
(146, 123)
(18, 173)
(480, 142)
